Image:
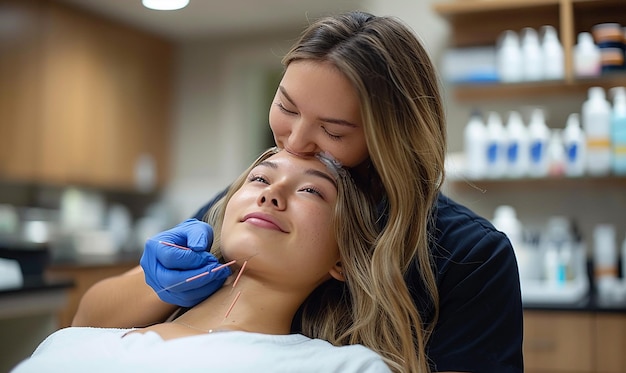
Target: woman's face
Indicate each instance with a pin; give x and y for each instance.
(281, 221)
(316, 109)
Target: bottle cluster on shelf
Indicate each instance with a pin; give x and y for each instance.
(531, 55)
(592, 143)
(556, 257)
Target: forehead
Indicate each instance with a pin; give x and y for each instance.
(290, 163)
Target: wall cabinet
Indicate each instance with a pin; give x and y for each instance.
(480, 22)
(576, 341)
(83, 100)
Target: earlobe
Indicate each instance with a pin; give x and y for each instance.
(337, 272)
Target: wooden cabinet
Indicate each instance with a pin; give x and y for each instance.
(480, 22)
(574, 341)
(83, 276)
(87, 99)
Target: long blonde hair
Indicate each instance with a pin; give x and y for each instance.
(404, 124)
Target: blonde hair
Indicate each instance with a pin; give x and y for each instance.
(404, 124)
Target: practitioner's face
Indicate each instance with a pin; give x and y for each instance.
(281, 219)
(315, 110)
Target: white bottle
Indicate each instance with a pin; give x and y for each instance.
(618, 131)
(496, 143)
(532, 55)
(596, 120)
(517, 152)
(575, 146)
(538, 135)
(509, 57)
(604, 259)
(475, 140)
(553, 61)
(505, 220)
(587, 60)
(556, 154)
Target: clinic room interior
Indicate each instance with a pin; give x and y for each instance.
(118, 122)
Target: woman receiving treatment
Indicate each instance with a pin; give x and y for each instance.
(279, 224)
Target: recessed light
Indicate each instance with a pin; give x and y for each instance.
(165, 4)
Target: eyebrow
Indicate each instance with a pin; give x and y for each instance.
(327, 120)
(308, 171)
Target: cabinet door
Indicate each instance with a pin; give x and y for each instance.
(19, 88)
(610, 349)
(558, 341)
(105, 87)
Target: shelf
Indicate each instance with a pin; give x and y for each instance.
(454, 8)
(481, 92)
(547, 182)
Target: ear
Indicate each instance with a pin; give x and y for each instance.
(337, 272)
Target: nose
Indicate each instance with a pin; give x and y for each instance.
(272, 198)
(300, 140)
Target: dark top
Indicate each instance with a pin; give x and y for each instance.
(480, 310)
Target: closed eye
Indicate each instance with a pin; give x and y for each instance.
(282, 108)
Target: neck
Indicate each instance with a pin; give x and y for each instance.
(250, 306)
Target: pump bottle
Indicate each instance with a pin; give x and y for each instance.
(539, 135)
(618, 130)
(596, 118)
(575, 147)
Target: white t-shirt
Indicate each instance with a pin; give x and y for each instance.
(104, 350)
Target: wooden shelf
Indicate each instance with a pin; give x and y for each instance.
(496, 91)
(454, 8)
(545, 182)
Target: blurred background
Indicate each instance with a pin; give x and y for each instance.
(119, 121)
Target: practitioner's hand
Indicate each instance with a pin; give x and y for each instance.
(168, 268)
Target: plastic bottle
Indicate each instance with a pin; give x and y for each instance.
(539, 135)
(604, 259)
(517, 145)
(496, 143)
(505, 220)
(558, 250)
(509, 57)
(553, 61)
(596, 120)
(475, 135)
(575, 146)
(556, 154)
(586, 56)
(618, 131)
(532, 55)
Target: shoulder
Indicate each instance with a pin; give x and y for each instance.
(480, 315)
(350, 358)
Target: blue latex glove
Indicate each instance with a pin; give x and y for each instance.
(164, 265)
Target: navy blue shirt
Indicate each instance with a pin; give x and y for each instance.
(480, 311)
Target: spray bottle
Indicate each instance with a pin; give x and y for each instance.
(618, 130)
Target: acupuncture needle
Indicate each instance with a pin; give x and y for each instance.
(198, 275)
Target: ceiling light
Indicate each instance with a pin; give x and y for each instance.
(165, 4)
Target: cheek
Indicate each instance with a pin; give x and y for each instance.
(278, 125)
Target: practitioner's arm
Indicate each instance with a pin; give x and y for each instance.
(122, 301)
(150, 293)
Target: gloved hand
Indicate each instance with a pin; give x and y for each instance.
(164, 265)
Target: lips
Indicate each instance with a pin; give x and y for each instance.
(262, 220)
